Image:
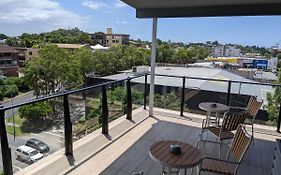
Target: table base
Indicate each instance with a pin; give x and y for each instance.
(175, 171)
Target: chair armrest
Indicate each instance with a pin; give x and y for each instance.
(210, 141)
(227, 161)
(212, 148)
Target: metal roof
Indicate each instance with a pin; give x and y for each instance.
(201, 72)
(204, 8)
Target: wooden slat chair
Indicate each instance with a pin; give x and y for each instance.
(253, 107)
(237, 150)
(230, 123)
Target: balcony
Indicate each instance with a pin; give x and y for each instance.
(121, 144)
(126, 148)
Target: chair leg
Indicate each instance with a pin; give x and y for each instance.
(253, 132)
(220, 149)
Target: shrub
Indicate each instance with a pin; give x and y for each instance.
(20, 82)
(39, 110)
(11, 90)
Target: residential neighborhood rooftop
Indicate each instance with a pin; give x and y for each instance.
(201, 72)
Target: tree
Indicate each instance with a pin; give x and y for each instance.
(164, 53)
(273, 103)
(11, 90)
(54, 70)
(39, 110)
(13, 42)
(19, 82)
(3, 36)
(279, 56)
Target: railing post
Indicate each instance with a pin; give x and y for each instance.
(182, 96)
(145, 92)
(279, 119)
(68, 143)
(129, 100)
(104, 111)
(228, 93)
(6, 151)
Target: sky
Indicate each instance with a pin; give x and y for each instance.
(36, 16)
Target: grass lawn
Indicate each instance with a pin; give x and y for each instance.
(10, 130)
(18, 120)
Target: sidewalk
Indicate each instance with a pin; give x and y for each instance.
(15, 98)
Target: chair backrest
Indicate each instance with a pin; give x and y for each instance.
(240, 143)
(253, 106)
(232, 120)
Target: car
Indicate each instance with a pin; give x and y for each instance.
(28, 154)
(37, 144)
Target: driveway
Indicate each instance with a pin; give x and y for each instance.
(18, 99)
(53, 138)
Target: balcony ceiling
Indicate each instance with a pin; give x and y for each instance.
(204, 8)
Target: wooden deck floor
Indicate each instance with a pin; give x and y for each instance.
(126, 156)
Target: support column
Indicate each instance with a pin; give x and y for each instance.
(68, 142)
(129, 100)
(6, 151)
(152, 65)
(104, 111)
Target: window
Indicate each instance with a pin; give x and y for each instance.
(30, 53)
(25, 153)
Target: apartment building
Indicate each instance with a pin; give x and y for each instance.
(116, 39)
(27, 54)
(226, 51)
(98, 38)
(8, 61)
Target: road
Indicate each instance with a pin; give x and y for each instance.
(18, 99)
(53, 138)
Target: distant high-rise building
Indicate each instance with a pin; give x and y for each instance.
(226, 51)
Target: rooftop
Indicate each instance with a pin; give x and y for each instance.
(7, 49)
(71, 46)
(202, 72)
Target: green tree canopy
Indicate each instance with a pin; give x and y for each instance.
(35, 111)
(274, 101)
(54, 69)
(279, 56)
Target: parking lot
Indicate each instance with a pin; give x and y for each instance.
(53, 138)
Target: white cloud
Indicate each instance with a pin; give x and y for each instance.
(94, 5)
(17, 16)
(119, 4)
(121, 22)
(97, 4)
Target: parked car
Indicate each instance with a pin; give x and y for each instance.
(28, 154)
(39, 145)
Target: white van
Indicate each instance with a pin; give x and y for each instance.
(28, 154)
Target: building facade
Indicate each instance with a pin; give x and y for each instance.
(98, 38)
(226, 51)
(26, 54)
(8, 61)
(116, 39)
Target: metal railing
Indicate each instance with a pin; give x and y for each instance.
(6, 151)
